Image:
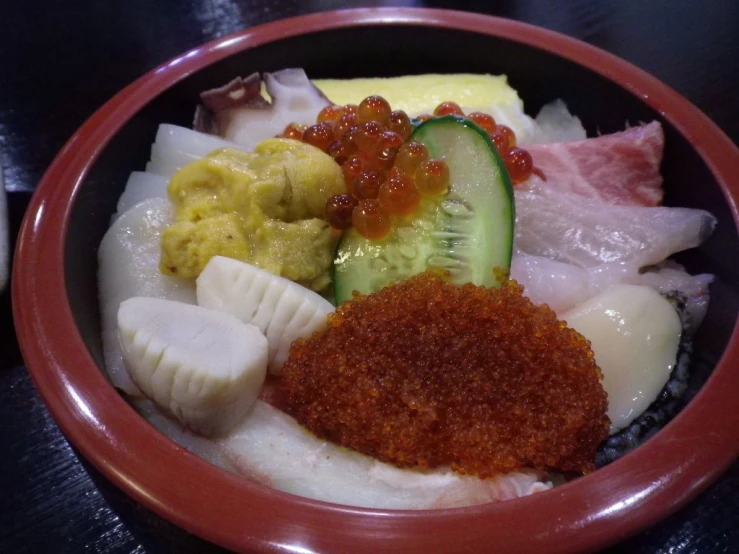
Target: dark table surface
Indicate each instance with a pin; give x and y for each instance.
(62, 59)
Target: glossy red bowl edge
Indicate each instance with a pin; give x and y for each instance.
(589, 513)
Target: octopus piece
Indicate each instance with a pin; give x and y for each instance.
(239, 113)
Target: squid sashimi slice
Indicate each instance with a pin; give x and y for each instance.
(585, 232)
(271, 447)
(238, 112)
(562, 286)
(139, 187)
(620, 168)
(634, 333)
(128, 262)
(175, 138)
(204, 367)
(168, 162)
(283, 310)
(175, 147)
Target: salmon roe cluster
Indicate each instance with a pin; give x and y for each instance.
(386, 175)
(518, 161)
(426, 374)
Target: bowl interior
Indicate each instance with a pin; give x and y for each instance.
(539, 77)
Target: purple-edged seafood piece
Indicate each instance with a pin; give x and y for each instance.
(239, 113)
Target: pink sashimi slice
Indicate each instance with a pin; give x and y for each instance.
(620, 168)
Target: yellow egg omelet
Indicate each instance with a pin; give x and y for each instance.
(416, 94)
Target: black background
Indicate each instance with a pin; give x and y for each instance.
(62, 59)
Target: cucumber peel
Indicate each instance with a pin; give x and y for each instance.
(468, 231)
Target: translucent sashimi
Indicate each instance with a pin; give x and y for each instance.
(562, 285)
(271, 448)
(584, 232)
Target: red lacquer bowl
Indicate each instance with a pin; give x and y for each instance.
(55, 300)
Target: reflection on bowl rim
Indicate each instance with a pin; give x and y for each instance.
(592, 512)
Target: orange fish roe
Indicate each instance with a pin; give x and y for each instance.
(427, 374)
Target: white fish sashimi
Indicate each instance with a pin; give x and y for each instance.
(204, 367)
(670, 277)
(562, 286)
(202, 447)
(512, 115)
(270, 447)
(128, 262)
(585, 232)
(139, 187)
(554, 123)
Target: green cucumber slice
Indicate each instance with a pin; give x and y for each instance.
(468, 232)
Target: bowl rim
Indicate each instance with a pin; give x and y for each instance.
(597, 510)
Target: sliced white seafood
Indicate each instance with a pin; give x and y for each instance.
(562, 286)
(203, 447)
(670, 277)
(128, 266)
(174, 137)
(269, 447)
(555, 123)
(168, 162)
(272, 448)
(175, 147)
(139, 187)
(584, 232)
(283, 310)
(204, 367)
(634, 333)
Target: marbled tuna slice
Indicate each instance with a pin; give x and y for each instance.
(621, 168)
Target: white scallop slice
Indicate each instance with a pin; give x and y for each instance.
(283, 310)
(634, 333)
(204, 367)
